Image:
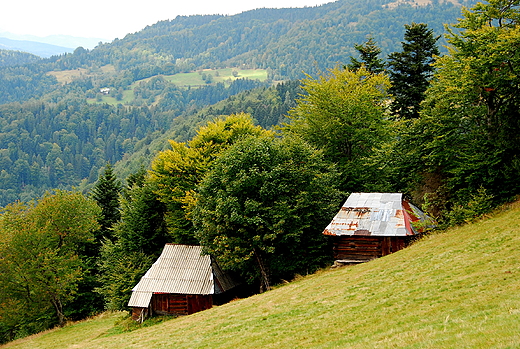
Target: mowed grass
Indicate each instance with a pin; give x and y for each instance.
(218, 75)
(458, 289)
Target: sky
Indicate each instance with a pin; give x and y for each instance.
(110, 19)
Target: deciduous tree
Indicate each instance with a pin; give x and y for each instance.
(343, 113)
(263, 206)
(176, 172)
(41, 249)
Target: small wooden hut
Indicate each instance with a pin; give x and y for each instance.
(372, 225)
(181, 282)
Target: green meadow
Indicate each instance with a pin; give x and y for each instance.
(218, 75)
(453, 289)
(182, 80)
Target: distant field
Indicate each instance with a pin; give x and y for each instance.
(193, 80)
(67, 76)
(218, 75)
(457, 289)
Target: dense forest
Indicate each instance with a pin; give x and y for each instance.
(9, 58)
(251, 170)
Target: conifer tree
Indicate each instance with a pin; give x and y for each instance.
(106, 194)
(368, 57)
(411, 69)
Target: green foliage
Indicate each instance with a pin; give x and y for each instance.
(43, 261)
(10, 58)
(120, 270)
(142, 227)
(177, 171)
(343, 113)
(368, 57)
(138, 240)
(411, 70)
(106, 194)
(478, 204)
(467, 136)
(262, 207)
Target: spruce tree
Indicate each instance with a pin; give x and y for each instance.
(106, 194)
(411, 69)
(368, 57)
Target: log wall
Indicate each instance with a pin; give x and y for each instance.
(366, 248)
(180, 304)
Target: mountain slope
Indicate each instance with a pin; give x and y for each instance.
(55, 133)
(449, 290)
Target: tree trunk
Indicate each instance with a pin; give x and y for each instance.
(59, 311)
(265, 281)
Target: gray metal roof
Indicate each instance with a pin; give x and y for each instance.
(181, 269)
(375, 214)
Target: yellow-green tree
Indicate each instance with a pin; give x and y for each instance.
(177, 171)
(343, 113)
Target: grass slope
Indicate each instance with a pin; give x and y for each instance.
(458, 289)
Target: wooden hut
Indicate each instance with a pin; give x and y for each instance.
(372, 225)
(182, 281)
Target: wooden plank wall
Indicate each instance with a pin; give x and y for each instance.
(180, 304)
(136, 313)
(362, 248)
(198, 302)
(365, 248)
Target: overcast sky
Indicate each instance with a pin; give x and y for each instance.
(109, 19)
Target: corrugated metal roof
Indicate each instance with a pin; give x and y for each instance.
(140, 299)
(375, 214)
(181, 269)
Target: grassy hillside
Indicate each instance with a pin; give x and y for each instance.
(458, 289)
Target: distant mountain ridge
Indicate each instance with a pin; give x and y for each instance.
(36, 48)
(46, 46)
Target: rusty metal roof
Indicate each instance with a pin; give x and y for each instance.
(181, 269)
(377, 214)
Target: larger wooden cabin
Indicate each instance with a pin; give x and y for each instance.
(372, 225)
(181, 282)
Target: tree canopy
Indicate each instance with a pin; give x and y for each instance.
(343, 113)
(262, 207)
(42, 247)
(177, 171)
(464, 148)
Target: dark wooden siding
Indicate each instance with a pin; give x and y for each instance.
(180, 304)
(365, 248)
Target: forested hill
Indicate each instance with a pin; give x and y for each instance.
(63, 118)
(288, 42)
